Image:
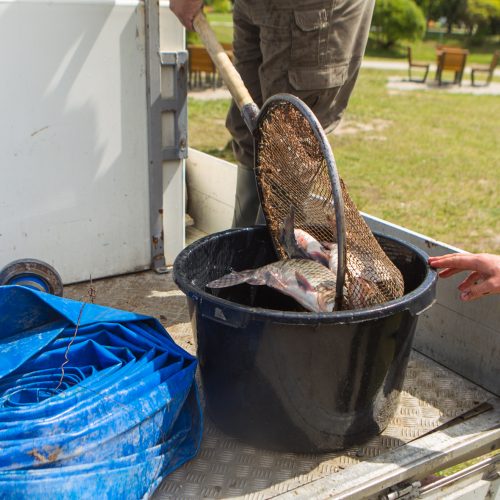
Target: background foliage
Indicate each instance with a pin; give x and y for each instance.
(396, 20)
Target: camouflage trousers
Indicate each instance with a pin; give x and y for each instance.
(309, 48)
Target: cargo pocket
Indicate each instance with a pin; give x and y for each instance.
(319, 88)
(309, 37)
(327, 77)
(311, 68)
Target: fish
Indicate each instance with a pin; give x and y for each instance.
(310, 283)
(300, 244)
(288, 238)
(313, 248)
(360, 290)
(331, 253)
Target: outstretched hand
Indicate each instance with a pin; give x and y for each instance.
(186, 11)
(484, 278)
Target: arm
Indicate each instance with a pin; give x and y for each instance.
(186, 10)
(484, 277)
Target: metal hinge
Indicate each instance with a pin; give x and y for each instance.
(403, 490)
(176, 104)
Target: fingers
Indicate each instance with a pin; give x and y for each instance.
(450, 263)
(458, 261)
(473, 279)
(449, 272)
(186, 11)
(483, 262)
(484, 278)
(477, 289)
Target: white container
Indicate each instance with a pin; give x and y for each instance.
(74, 181)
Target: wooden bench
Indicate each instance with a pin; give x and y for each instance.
(451, 59)
(424, 66)
(200, 64)
(489, 70)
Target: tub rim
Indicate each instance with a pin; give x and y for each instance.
(415, 302)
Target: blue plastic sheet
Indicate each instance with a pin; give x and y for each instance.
(125, 414)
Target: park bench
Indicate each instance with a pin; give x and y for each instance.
(417, 64)
(451, 59)
(200, 64)
(488, 69)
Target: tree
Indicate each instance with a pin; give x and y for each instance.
(455, 11)
(481, 14)
(428, 7)
(396, 20)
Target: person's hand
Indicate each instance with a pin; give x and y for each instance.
(484, 278)
(186, 11)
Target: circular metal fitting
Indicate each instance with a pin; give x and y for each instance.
(34, 274)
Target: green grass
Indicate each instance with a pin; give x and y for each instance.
(207, 131)
(480, 50)
(218, 17)
(222, 26)
(457, 468)
(434, 168)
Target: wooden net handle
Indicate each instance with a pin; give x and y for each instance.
(226, 69)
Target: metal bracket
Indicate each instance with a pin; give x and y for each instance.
(403, 490)
(176, 104)
(158, 80)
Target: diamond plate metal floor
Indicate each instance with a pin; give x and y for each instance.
(227, 468)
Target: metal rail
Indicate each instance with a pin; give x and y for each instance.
(435, 451)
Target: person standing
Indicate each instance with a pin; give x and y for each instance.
(309, 48)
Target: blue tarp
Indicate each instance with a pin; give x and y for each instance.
(125, 415)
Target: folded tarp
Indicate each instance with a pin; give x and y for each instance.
(124, 415)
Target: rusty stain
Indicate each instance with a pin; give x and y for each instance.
(53, 456)
(155, 240)
(44, 459)
(38, 456)
(39, 130)
(160, 211)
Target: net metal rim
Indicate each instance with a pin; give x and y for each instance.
(331, 167)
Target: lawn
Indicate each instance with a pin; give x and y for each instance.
(426, 160)
(222, 24)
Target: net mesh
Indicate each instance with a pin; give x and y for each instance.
(291, 171)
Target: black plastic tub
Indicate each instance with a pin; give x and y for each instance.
(280, 378)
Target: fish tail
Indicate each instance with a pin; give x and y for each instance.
(234, 278)
(287, 237)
